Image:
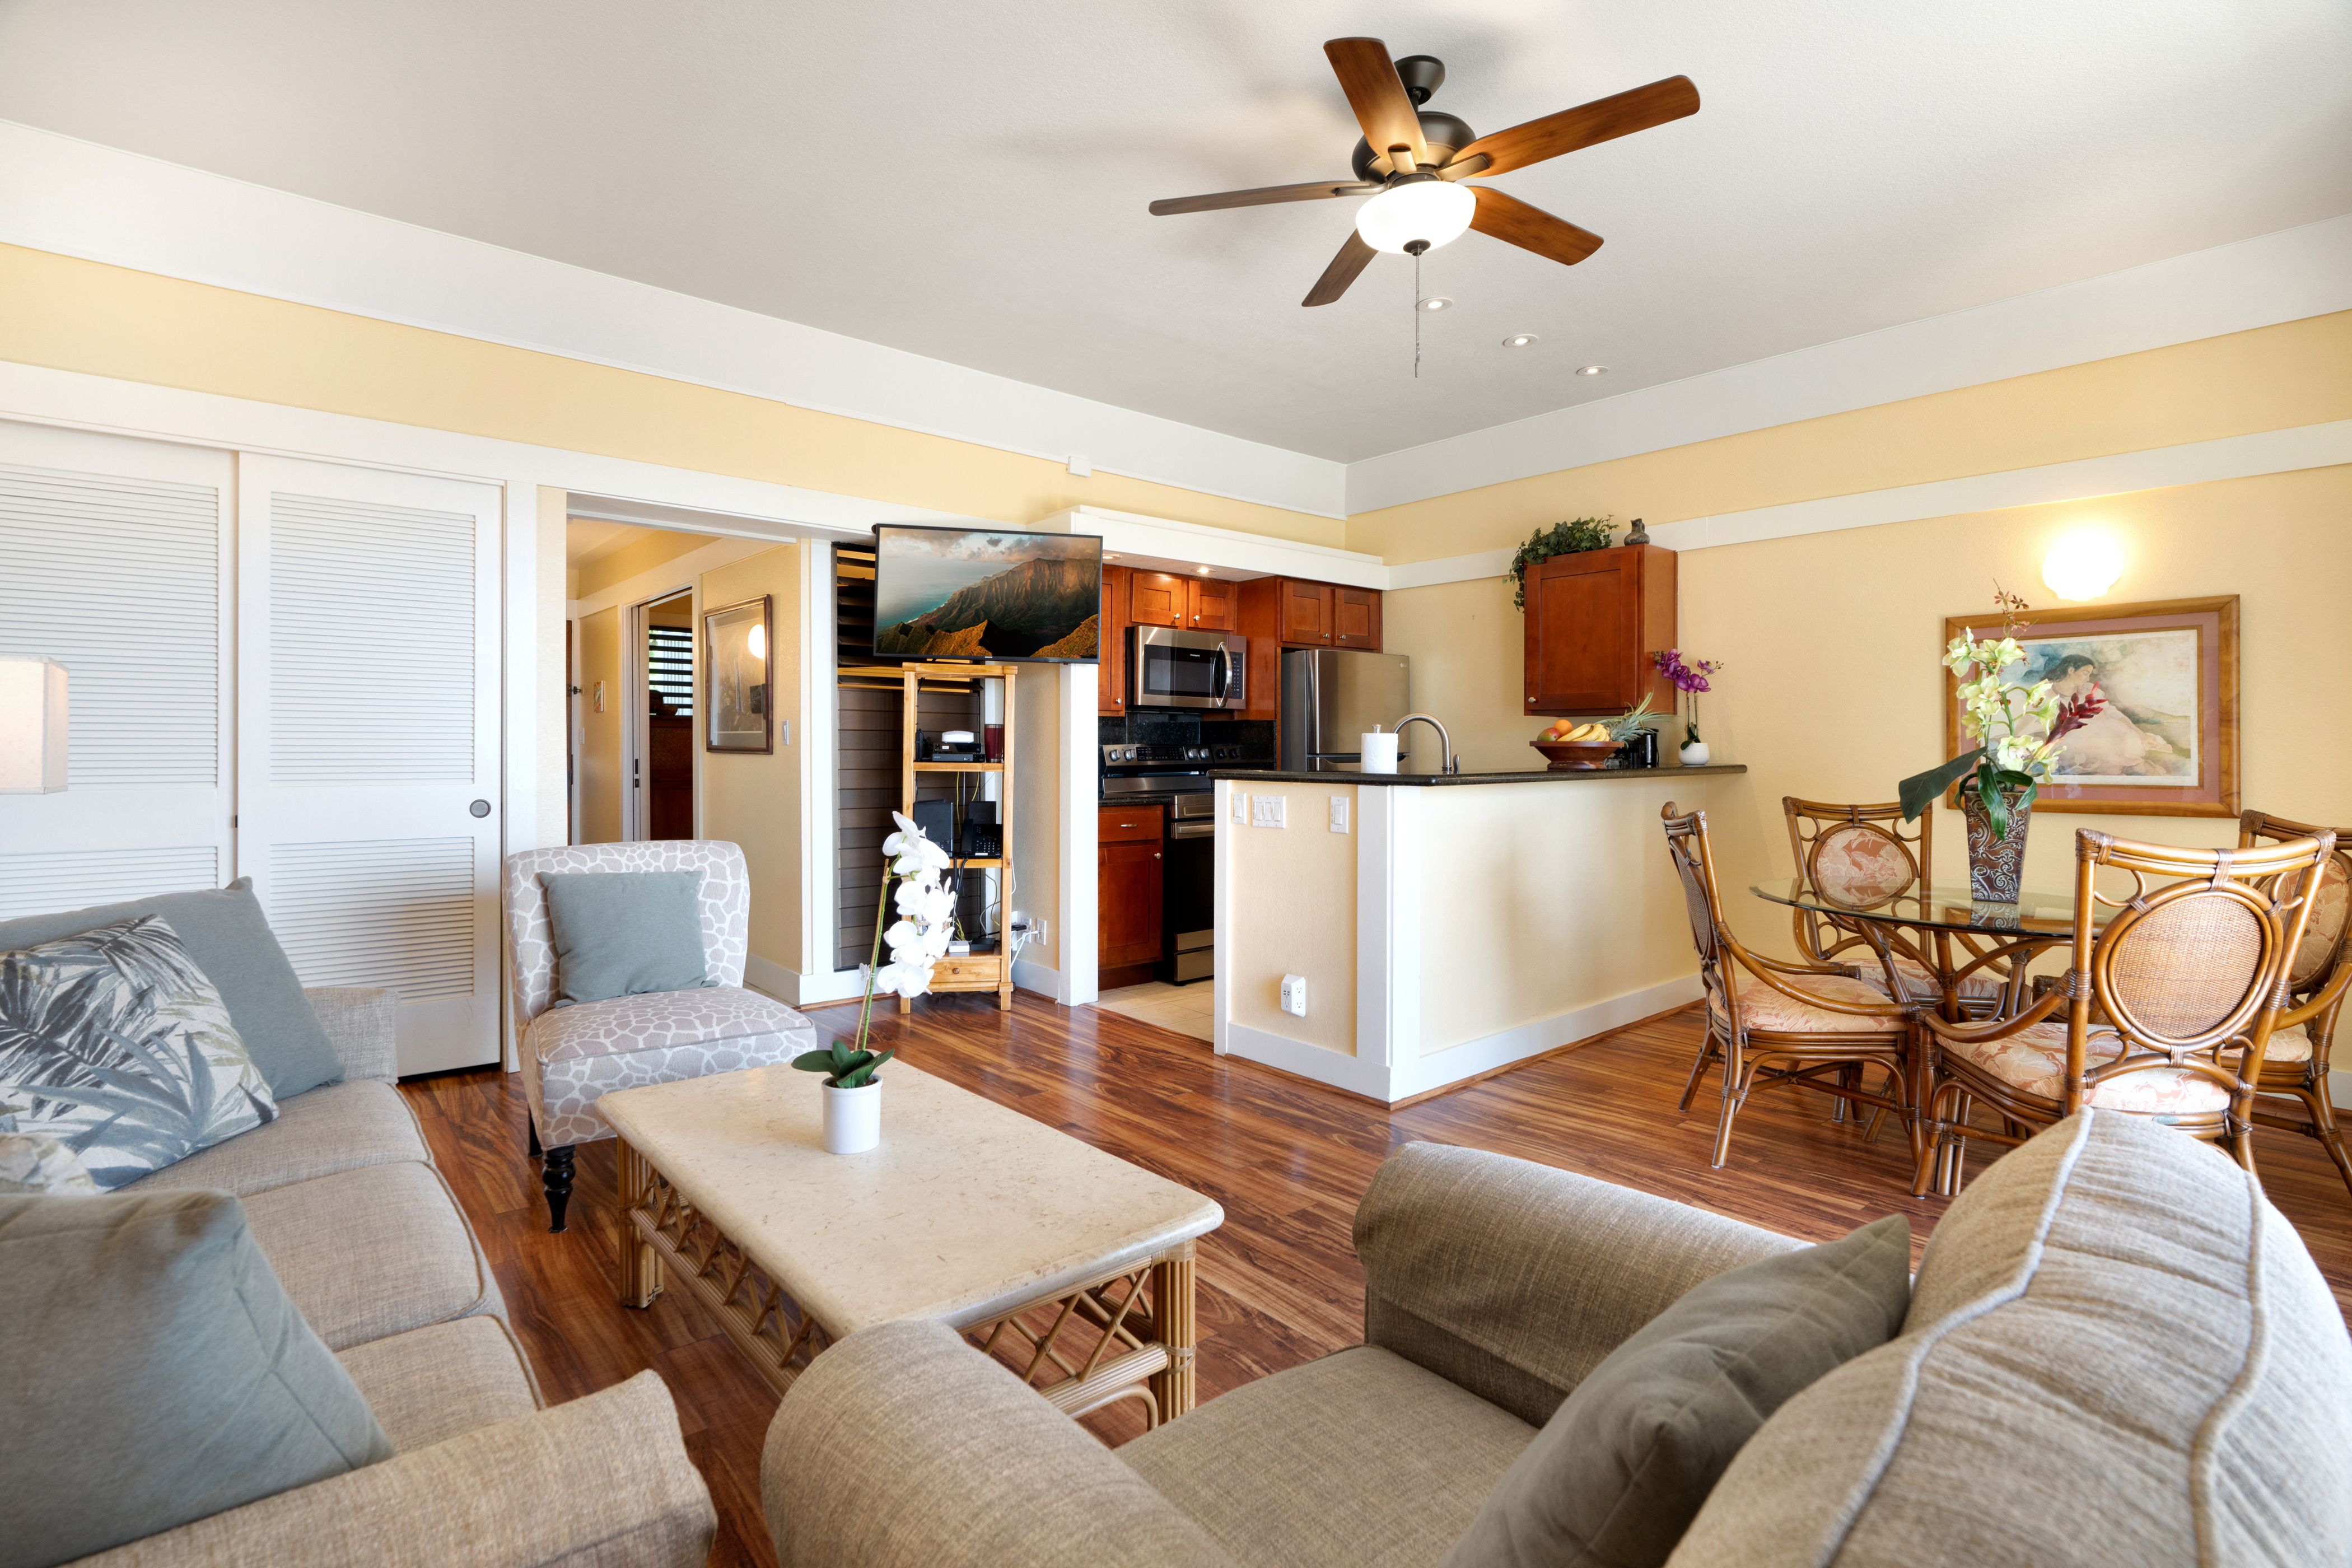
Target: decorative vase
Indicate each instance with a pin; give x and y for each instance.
(852, 1118)
(1695, 753)
(1995, 865)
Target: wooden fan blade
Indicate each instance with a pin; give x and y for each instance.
(1531, 228)
(1382, 106)
(1352, 259)
(1314, 191)
(1602, 120)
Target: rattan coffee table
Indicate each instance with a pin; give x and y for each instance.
(1073, 1265)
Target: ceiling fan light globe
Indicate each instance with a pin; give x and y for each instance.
(1429, 208)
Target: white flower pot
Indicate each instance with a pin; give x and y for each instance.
(1695, 753)
(852, 1118)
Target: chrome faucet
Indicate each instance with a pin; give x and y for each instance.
(1443, 739)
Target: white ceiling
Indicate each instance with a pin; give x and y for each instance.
(969, 181)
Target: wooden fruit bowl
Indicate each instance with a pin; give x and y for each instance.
(1577, 756)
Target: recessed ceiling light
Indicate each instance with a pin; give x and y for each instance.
(1203, 570)
(1110, 557)
(1518, 339)
(1592, 370)
(1437, 302)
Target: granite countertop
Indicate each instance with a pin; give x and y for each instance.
(1581, 776)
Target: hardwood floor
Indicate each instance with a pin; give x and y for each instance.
(1278, 1283)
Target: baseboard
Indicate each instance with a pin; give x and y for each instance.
(1477, 1059)
(1337, 1069)
(1044, 980)
(795, 989)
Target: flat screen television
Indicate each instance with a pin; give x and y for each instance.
(986, 593)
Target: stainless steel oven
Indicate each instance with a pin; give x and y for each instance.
(1169, 668)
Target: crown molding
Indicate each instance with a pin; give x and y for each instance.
(101, 204)
(2282, 277)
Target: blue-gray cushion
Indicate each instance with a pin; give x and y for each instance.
(1618, 1472)
(624, 933)
(160, 1375)
(115, 1043)
(225, 932)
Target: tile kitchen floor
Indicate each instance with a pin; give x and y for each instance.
(1181, 1009)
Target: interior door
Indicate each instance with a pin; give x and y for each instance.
(114, 559)
(368, 751)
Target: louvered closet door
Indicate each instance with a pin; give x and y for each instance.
(114, 562)
(368, 697)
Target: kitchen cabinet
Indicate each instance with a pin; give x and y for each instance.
(1128, 888)
(1112, 636)
(1325, 614)
(1306, 610)
(1356, 618)
(1156, 598)
(1593, 619)
(1214, 604)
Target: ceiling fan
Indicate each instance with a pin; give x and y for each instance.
(1411, 159)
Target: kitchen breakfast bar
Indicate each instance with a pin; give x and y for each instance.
(1394, 934)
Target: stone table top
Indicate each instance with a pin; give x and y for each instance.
(967, 1208)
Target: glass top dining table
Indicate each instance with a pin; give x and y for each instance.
(2035, 914)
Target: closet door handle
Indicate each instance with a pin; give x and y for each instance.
(479, 808)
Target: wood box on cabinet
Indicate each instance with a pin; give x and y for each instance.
(1128, 868)
(1593, 619)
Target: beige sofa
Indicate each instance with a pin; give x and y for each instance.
(344, 1197)
(2117, 1353)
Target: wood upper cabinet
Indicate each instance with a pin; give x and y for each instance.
(1157, 598)
(1306, 613)
(1356, 618)
(1111, 635)
(1128, 881)
(1593, 619)
(1214, 605)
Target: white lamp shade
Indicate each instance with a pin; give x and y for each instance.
(1436, 210)
(2083, 565)
(32, 726)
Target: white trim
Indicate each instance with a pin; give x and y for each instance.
(819, 826)
(797, 989)
(2259, 282)
(674, 575)
(1079, 979)
(2158, 467)
(1040, 978)
(1380, 1010)
(1166, 544)
(77, 198)
(1320, 1063)
(1418, 1074)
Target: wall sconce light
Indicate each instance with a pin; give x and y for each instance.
(2083, 565)
(32, 726)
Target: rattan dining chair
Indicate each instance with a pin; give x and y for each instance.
(1865, 855)
(1763, 1028)
(2297, 1060)
(2166, 1013)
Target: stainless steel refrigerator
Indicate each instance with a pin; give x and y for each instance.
(1331, 696)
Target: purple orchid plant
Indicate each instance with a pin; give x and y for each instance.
(1690, 679)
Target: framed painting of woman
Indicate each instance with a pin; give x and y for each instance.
(2165, 739)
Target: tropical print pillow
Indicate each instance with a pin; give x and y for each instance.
(37, 1163)
(116, 1044)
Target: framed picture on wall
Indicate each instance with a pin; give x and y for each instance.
(2166, 744)
(738, 715)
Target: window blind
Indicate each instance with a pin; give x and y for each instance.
(670, 665)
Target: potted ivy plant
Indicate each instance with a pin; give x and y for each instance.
(853, 1084)
(1560, 539)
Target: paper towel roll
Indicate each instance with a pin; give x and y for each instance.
(1379, 752)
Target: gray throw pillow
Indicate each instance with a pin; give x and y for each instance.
(1620, 1470)
(225, 932)
(623, 933)
(115, 1043)
(162, 1374)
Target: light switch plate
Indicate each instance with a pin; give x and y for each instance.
(1338, 814)
(1267, 811)
(1240, 806)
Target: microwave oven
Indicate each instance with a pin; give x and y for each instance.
(1172, 669)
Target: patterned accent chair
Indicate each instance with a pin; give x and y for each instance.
(1811, 1025)
(573, 1055)
(2166, 1012)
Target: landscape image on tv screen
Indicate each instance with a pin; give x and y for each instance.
(961, 593)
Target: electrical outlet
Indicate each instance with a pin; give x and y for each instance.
(1267, 811)
(1240, 806)
(1294, 995)
(1338, 814)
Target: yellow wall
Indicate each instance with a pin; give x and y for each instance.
(2296, 374)
(110, 320)
(601, 789)
(1293, 910)
(754, 799)
(650, 549)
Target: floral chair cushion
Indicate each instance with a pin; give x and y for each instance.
(1775, 1012)
(2033, 1061)
(725, 906)
(573, 1056)
(2289, 1047)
